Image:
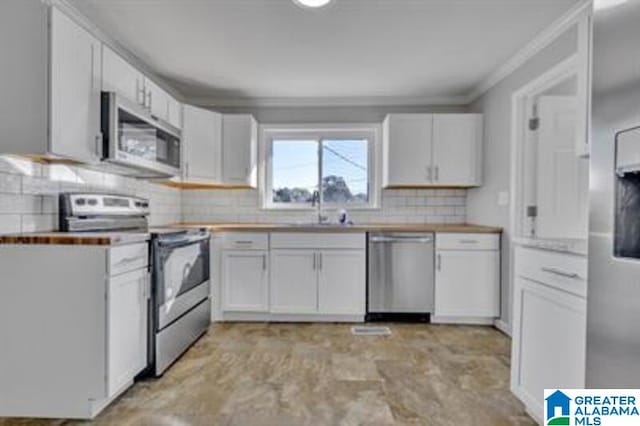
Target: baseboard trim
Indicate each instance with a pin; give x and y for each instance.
(503, 327)
(267, 317)
(462, 320)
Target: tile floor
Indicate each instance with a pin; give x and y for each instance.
(319, 374)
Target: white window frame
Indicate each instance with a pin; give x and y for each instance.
(270, 132)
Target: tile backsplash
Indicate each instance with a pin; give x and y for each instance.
(29, 193)
(397, 206)
(29, 200)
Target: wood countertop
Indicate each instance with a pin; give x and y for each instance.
(387, 227)
(75, 238)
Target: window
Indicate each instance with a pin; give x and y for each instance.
(332, 166)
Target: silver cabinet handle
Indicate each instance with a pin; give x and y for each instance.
(148, 101)
(126, 260)
(264, 262)
(140, 92)
(243, 242)
(439, 262)
(437, 173)
(419, 240)
(314, 261)
(564, 274)
(320, 261)
(469, 241)
(99, 145)
(428, 172)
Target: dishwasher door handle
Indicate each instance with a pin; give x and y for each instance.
(414, 240)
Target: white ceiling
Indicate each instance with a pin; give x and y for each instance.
(255, 49)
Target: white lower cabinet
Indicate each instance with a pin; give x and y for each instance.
(294, 277)
(467, 279)
(85, 337)
(127, 296)
(549, 325)
(294, 281)
(246, 280)
(342, 282)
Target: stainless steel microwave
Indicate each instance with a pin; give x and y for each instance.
(134, 139)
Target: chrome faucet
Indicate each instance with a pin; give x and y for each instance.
(316, 200)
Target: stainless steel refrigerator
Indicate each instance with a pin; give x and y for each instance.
(613, 310)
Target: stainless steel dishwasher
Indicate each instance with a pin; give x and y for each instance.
(401, 276)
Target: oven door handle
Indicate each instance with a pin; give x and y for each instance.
(184, 242)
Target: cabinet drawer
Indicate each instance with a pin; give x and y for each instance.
(246, 241)
(317, 240)
(467, 241)
(563, 271)
(128, 258)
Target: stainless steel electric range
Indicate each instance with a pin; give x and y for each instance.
(180, 305)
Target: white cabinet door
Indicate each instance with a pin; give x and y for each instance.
(548, 342)
(457, 146)
(121, 77)
(75, 90)
(342, 282)
(201, 139)
(157, 100)
(175, 113)
(294, 281)
(408, 149)
(127, 328)
(467, 283)
(245, 278)
(239, 150)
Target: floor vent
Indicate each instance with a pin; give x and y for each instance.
(371, 331)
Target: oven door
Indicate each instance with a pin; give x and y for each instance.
(182, 273)
(133, 138)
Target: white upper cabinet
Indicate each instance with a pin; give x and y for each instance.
(431, 150)
(240, 150)
(457, 149)
(201, 141)
(75, 90)
(121, 77)
(407, 149)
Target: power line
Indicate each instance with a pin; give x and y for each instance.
(343, 157)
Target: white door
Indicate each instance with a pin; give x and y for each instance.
(127, 328)
(294, 281)
(245, 281)
(201, 139)
(550, 331)
(75, 90)
(457, 144)
(408, 149)
(157, 100)
(342, 282)
(239, 149)
(121, 77)
(467, 283)
(562, 177)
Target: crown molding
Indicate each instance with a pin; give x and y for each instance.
(542, 40)
(258, 102)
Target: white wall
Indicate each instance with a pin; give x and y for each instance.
(495, 104)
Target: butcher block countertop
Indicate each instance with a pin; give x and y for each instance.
(388, 227)
(119, 238)
(75, 238)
